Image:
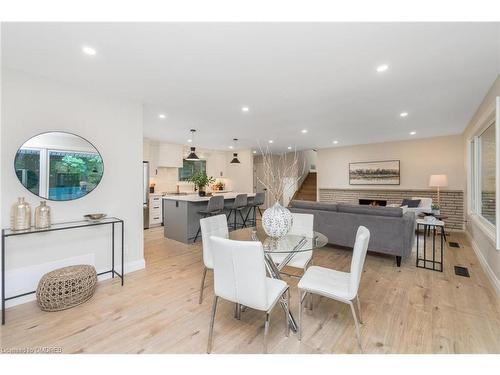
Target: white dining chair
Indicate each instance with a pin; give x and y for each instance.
(240, 277)
(210, 226)
(340, 286)
(302, 225)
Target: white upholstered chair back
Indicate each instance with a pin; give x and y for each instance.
(239, 272)
(212, 226)
(358, 259)
(302, 225)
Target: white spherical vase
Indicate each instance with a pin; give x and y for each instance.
(277, 221)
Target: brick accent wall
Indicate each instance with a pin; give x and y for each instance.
(452, 201)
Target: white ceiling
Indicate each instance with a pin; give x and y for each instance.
(320, 77)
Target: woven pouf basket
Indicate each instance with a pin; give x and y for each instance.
(66, 287)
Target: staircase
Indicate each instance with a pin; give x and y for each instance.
(307, 191)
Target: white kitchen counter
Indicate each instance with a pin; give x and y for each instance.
(196, 198)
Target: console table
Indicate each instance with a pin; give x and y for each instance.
(57, 227)
(425, 261)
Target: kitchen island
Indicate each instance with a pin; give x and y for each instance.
(181, 218)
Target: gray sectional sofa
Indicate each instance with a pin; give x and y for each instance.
(391, 231)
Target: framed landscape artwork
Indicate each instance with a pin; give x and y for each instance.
(374, 173)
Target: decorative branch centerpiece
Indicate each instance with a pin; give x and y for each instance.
(281, 172)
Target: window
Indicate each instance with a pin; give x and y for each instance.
(190, 167)
(483, 174)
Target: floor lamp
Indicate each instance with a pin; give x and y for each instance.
(438, 181)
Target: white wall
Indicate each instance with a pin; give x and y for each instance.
(419, 159)
(240, 176)
(482, 240)
(32, 105)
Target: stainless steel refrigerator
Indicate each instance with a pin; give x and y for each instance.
(145, 193)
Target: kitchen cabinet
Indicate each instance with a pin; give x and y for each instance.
(216, 165)
(153, 159)
(169, 155)
(155, 210)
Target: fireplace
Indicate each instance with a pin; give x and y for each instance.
(372, 202)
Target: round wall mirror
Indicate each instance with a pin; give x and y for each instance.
(59, 166)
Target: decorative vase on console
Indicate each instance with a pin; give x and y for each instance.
(20, 215)
(42, 216)
(281, 175)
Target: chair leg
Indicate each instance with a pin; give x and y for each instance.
(212, 320)
(287, 313)
(243, 220)
(356, 323)
(301, 307)
(237, 311)
(246, 216)
(205, 269)
(266, 331)
(359, 309)
(260, 212)
(197, 234)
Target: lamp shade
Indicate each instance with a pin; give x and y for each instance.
(192, 155)
(235, 159)
(438, 180)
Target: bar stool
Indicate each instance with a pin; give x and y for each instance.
(215, 207)
(239, 204)
(254, 204)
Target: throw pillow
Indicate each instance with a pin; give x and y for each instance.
(411, 203)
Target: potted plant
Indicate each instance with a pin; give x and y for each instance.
(435, 209)
(200, 181)
(219, 185)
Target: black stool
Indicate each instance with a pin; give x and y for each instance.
(215, 207)
(239, 204)
(254, 204)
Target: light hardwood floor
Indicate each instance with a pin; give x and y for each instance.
(405, 310)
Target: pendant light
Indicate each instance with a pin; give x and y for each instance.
(235, 155)
(192, 155)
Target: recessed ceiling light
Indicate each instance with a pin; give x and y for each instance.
(403, 114)
(335, 142)
(190, 140)
(382, 68)
(304, 131)
(89, 51)
(245, 109)
(289, 147)
(254, 151)
(231, 147)
(413, 133)
(161, 115)
(271, 141)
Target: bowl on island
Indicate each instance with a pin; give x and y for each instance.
(94, 217)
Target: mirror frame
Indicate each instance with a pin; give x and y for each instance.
(65, 132)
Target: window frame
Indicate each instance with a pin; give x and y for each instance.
(474, 174)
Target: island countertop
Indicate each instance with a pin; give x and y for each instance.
(196, 198)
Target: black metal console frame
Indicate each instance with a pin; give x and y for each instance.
(64, 226)
(436, 265)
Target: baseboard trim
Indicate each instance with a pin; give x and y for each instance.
(484, 264)
(129, 268)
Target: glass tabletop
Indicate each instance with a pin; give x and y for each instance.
(60, 226)
(287, 244)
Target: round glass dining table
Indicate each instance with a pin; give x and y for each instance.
(280, 251)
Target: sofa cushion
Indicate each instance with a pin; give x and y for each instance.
(411, 203)
(370, 210)
(309, 205)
